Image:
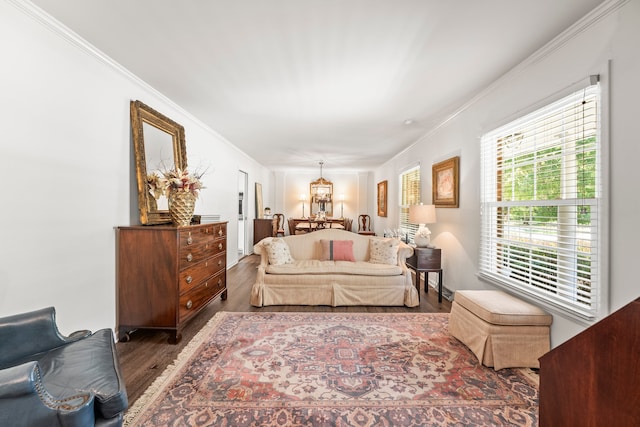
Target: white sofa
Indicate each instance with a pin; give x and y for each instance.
(308, 280)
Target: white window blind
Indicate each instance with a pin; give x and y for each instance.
(409, 195)
(540, 194)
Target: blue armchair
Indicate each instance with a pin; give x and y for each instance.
(47, 379)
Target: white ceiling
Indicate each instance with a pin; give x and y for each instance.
(293, 82)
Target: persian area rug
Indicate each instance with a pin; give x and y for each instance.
(333, 369)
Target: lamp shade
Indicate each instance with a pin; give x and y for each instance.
(422, 214)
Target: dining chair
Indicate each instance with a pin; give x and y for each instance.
(364, 225)
(292, 226)
(278, 225)
(348, 222)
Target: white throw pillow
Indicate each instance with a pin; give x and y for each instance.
(383, 251)
(278, 252)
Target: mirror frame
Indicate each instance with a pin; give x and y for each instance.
(140, 114)
(321, 182)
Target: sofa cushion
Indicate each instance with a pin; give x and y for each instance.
(337, 250)
(278, 252)
(314, 266)
(500, 308)
(383, 251)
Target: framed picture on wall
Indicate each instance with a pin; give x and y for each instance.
(259, 209)
(445, 183)
(382, 198)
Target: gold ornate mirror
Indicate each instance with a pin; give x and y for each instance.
(321, 199)
(159, 145)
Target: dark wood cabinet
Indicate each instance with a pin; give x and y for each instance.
(262, 228)
(167, 274)
(425, 260)
(592, 379)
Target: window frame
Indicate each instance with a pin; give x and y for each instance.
(412, 195)
(599, 303)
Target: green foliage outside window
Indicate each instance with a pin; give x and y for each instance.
(537, 176)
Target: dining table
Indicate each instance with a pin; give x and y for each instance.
(312, 224)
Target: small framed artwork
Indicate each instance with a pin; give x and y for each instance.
(445, 183)
(382, 198)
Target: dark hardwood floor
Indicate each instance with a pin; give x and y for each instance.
(148, 353)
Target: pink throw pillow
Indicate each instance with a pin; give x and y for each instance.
(337, 250)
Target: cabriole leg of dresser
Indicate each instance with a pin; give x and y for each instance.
(123, 334)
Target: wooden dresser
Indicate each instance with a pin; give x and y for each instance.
(167, 274)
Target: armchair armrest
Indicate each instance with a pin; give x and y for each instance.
(25, 401)
(30, 333)
(18, 381)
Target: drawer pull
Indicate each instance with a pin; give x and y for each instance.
(189, 240)
(219, 246)
(189, 304)
(220, 233)
(219, 262)
(189, 279)
(206, 284)
(189, 257)
(219, 282)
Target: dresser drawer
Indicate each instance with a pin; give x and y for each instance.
(192, 255)
(218, 282)
(220, 231)
(202, 233)
(192, 276)
(192, 301)
(196, 235)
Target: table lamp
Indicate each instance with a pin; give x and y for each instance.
(303, 198)
(421, 215)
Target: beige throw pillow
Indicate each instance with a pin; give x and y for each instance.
(278, 252)
(383, 251)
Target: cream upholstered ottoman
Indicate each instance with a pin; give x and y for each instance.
(501, 330)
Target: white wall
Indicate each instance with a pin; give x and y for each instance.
(609, 34)
(66, 156)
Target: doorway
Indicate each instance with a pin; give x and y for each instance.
(243, 187)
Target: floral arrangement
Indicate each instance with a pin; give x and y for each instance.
(164, 182)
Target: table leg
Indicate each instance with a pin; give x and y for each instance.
(426, 282)
(440, 286)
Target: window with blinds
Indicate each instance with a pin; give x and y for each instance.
(540, 194)
(409, 195)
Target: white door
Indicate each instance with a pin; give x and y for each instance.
(243, 186)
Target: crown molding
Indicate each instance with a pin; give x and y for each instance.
(64, 32)
(589, 20)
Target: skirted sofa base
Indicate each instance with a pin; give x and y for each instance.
(309, 280)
